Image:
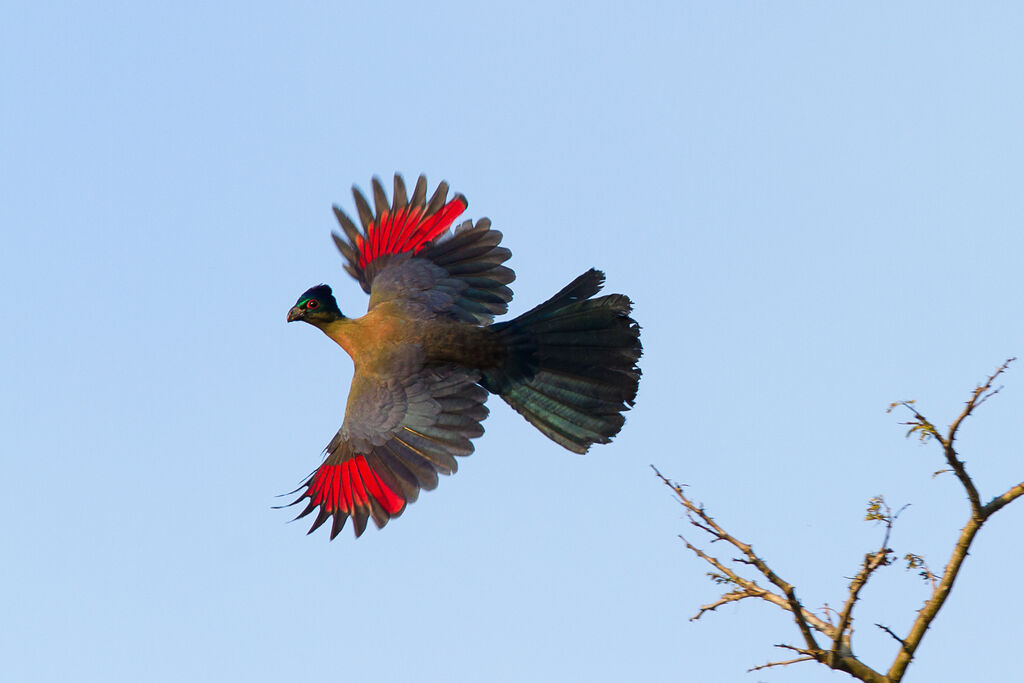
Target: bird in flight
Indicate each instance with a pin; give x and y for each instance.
(427, 354)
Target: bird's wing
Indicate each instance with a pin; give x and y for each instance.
(406, 252)
(398, 434)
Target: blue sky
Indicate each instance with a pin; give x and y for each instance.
(816, 208)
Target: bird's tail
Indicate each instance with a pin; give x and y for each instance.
(570, 367)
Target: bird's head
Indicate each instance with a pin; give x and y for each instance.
(316, 306)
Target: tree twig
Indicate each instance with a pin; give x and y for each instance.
(839, 655)
(979, 515)
(981, 393)
(872, 561)
(889, 631)
(785, 663)
(807, 622)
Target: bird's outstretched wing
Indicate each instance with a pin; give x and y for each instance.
(406, 252)
(398, 434)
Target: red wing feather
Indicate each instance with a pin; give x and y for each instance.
(403, 226)
(345, 490)
(361, 481)
(397, 233)
(391, 501)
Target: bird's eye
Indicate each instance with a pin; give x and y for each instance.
(312, 303)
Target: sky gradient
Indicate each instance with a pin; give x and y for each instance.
(815, 207)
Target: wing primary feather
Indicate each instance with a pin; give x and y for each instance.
(400, 200)
(377, 513)
(360, 522)
(363, 207)
(382, 471)
(309, 508)
(343, 496)
(377, 480)
(457, 241)
(410, 218)
(400, 227)
(438, 199)
(346, 487)
(361, 511)
(338, 524)
(321, 517)
(421, 468)
(407, 481)
(385, 221)
(345, 248)
(333, 491)
(357, 483)
(351, 231)
(419, 193)
(358, 276)
(441, 460)
(380, 200)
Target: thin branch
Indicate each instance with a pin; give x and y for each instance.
(979, 515)
(805, 620)
(785, 663)
(945, 585)
(828, 612)
(879, 511)
(790, 602)
(734, 596)
(872, 561)
(998, 502)
(799, 613)
(840, 655)
(961, 473)
(794, 648)
(750, 588)
(889, 631)
(931, 608)
(849, 664)
(981, 393)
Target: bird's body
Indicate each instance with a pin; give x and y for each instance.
(374, 339)
(426, 355)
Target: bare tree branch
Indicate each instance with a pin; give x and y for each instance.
(998, 502)
(839, 655)
(872, 561)
(889, 631)
(979, 515)
(785, 663)
(735, 596)
(981, 394)
(931, 608)
(840, 658)
(787, 602)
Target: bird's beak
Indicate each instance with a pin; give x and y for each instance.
(294, 314)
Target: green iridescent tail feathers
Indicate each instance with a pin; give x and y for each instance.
(571, 366)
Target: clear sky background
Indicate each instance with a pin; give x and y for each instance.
(815, 206)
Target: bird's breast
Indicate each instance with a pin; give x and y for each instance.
(378, 336)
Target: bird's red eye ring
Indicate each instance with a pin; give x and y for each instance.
(312, 303)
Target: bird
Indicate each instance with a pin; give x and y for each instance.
(427, 354)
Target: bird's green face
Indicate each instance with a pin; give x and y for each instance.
(316, 306)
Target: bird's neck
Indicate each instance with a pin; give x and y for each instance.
(344, 332)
